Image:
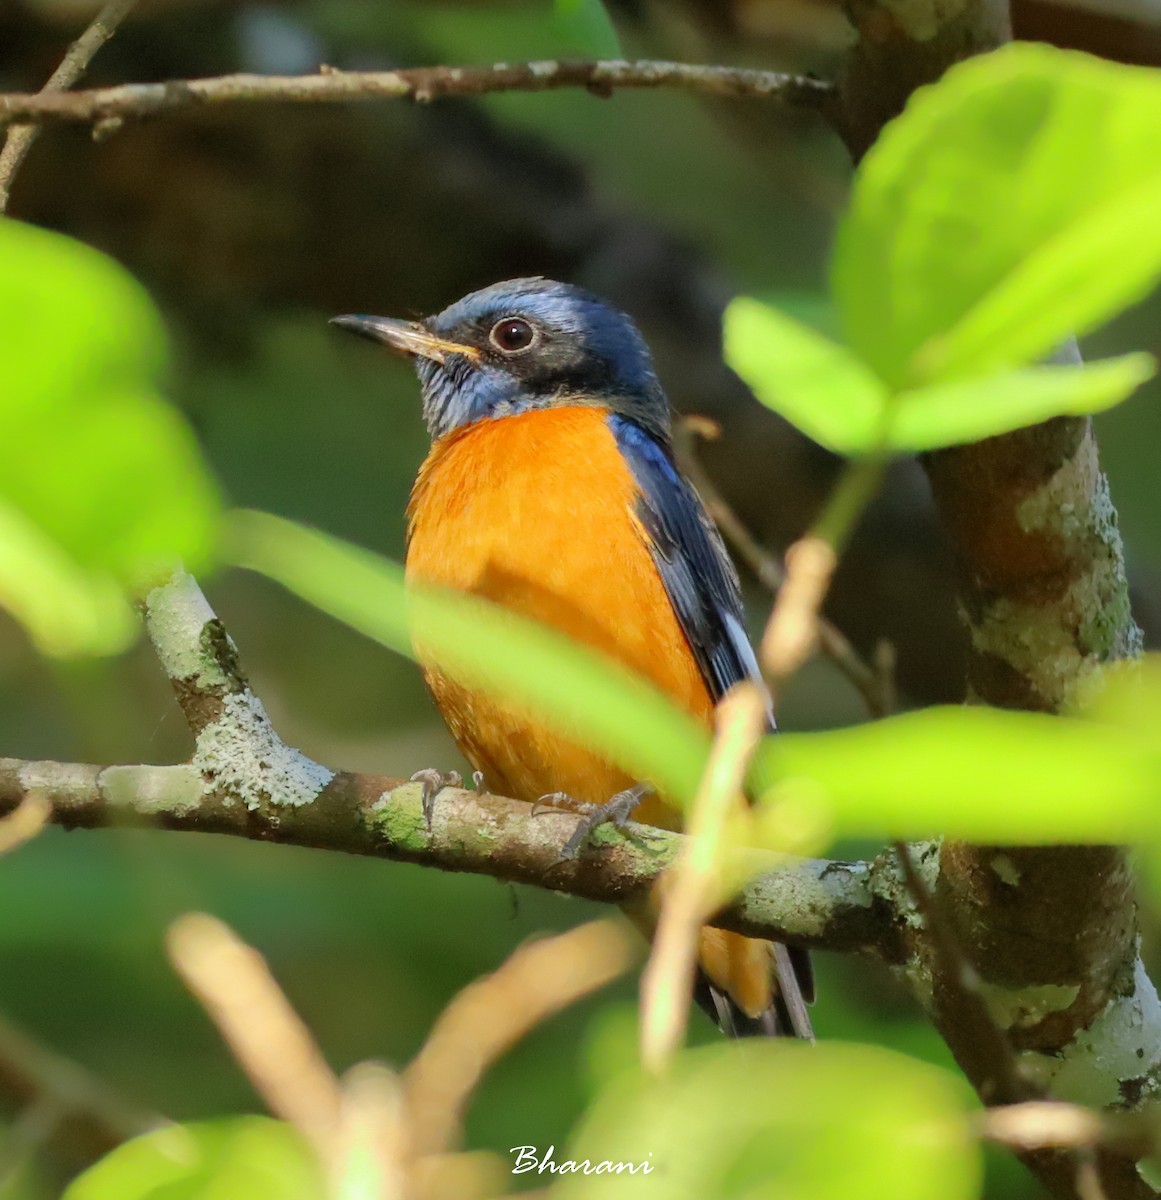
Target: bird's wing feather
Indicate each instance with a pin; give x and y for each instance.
(687, 549)
(703, 588)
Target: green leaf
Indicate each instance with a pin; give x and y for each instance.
(586, 28)
(816, 384)
(948, 414)
(1012, 204)
(974, 773)
(581, 693)
(744, 1121)
(66, 609)
(102, 486)
(252, 1157)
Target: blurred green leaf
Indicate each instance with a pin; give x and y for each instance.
(585, 696)
(102, 486)
(65, 608)
(585, 26)
(253, 1157)
(948, 414)
(744, 1121)
(980, 774)
(1011, 204)
(828, 393)
(816, 384)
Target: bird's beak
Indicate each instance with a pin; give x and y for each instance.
(405, 337)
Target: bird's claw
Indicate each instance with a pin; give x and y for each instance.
(616, 811)
(434, 781)
(555, 801)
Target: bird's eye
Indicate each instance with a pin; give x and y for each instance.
(512, 335)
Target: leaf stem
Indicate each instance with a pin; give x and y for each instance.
(792, 630)
(857, 485)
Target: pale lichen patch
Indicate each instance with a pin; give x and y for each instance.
(1056, 642)
(176, 790)
(921, 20)
(1123, 1043)
(1006, 869)
(398, 815)
(242, 755)
(1021, 1008)
(1056, 506)
(177, 612)
(890, 883)
(51, 777)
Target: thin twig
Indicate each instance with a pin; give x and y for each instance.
(1088, 1175)
(72, 67)
(265, 1034)
(370, 1153)
(25, 822)
(421, 83)
(1058, 1125)
(693, 889)
(493, 1013)
(89, 1118)
(873, 683)
(792, 630)
(1001, 1081)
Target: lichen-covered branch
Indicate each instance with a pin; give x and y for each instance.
(111, 104)
(812, 902)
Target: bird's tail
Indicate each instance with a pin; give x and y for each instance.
(752, 988)
(748, 986)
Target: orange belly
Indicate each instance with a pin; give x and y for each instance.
(534, 512)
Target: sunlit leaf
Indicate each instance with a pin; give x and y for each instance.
(585, 695)
(252, 1157)
(1130, 700)
(66, 609)
(816, 384)
(585, 26)
(101, 483)
(744, 1121)
(975, 773)
(947, 414)
(1012, 203)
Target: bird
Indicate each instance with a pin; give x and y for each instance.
(551, 489)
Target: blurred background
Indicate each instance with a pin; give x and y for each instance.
(252, 226)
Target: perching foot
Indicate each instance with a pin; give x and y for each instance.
(617, 811)
(434, 781)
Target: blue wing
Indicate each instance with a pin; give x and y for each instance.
(703, 588)
(699, 577)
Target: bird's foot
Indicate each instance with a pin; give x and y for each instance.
(434, 781)
(616, 811)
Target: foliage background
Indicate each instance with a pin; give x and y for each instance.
(250, 229)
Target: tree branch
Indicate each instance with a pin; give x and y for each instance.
(811, 902)
(72, 67)
(421, 84)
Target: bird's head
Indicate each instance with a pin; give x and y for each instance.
(521, 345)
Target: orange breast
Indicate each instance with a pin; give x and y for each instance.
(535, 512)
